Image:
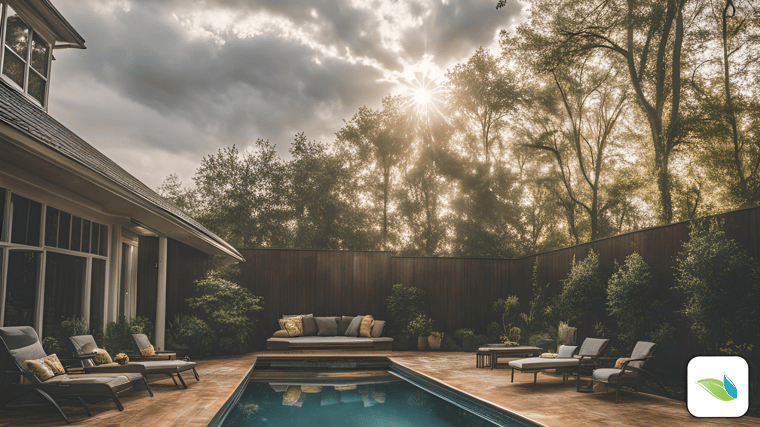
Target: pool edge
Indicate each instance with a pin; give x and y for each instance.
(225, 410)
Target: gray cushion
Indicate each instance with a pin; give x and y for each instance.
(611, 375)
(592, 346)
(377, 329)
(22, 343)
(141, 341)
(542, 363)
(566, 351)
(327, 326)
(309, 324)
(353, 327)
(345, 321)
(641, 350)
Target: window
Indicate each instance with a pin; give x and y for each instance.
(21, 288)
(64, 289)
(97, 293)
(26, 57)
(25, 224)
(66, 231)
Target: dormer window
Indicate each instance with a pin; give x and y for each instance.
(25, 56)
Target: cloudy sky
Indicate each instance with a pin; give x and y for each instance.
(163, 83)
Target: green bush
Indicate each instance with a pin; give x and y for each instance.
(448, 344)
(190, 332)
(228, 309)
(51, 346)
(632, 301)
(118, 336)
(536, 320)
(420, 325)
(472, 342)
(494, 331)
(506, 308)
(403, 305)
(721, 287)
(460, 333)
(583, 294)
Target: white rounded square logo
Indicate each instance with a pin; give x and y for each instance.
(717, 386)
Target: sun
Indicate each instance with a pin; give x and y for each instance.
(423, 96)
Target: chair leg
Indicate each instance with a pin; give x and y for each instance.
(145, 380)
(50, 399)
(173, 379)
(195, 374)
(513, 375)
(84, 405)
(181, 380)
(535, 376)
(116, 400)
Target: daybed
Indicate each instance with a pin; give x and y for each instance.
(329, 333)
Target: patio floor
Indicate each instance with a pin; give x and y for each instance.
(550, 402)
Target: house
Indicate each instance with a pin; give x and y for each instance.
(79, 235)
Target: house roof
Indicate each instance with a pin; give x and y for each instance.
(20, 114)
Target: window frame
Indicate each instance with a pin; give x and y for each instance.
(28, 61)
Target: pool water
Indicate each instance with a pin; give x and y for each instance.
(386, 404)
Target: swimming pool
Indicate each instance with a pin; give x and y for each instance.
(392, 396)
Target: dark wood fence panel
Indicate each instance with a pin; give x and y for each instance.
(184, 266)
(325, 283)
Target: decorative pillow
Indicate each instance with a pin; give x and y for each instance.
(619, 363)
(54, 364)
(548, 355)
(353, 327)
(101, 357)
(328, 326)
(149, 351)
(365, 328)
(309, 324)
(377, 329)
(345, 321)
(566, 351)
(123, 359)
(40, 368)
(294, 326)
(280, 334)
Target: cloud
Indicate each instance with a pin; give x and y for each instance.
(195, 76)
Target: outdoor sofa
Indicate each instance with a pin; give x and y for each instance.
(21, 344)
(330, 333)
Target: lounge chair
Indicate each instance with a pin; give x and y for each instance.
(21, 343)
(630, 372)
(565, 363)
(85, 346)
(142, 342)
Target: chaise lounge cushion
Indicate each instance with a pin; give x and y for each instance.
(611, 375)
(542, 363)
(327, 326)
(566, 351)
(280, 334)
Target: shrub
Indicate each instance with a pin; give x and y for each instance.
(583, 293)
(51, 346)
(632, 302)
(448, 344)
(228, 309)
(59, 335)
(719, 281)
(506, 308)
(118, 336)
(472, 342)
(420, 325)
(190, 332)
(403, 305)
(460, 333)
(535, 321)
(494, 331)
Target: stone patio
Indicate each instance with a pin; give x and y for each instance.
(549, 402)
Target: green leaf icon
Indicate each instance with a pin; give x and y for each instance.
(715, 388)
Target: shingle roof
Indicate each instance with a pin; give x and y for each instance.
(21, 114)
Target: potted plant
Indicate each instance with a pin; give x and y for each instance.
(434, 340)
(420, 326)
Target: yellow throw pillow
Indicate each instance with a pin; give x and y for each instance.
(101, 357)
(293, 325)
(54, 364)
(148, 351)
(365, 329)
(40, 368)
(619, 363)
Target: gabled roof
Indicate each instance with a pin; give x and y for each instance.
(43, 12)
(22, 115)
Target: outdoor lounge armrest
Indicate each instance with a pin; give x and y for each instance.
(86, 356)
(26, 374)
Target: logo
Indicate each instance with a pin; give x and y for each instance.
(722, 390)
(708, 396)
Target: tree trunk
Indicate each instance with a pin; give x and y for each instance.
(730, 107)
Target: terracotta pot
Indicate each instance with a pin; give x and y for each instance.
(422, 343)
(434, 340)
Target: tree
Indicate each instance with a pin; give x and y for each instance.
(482, 92)
(632, 300)
(173, 191)
(243, 198)
(379, 140)
(647, 36)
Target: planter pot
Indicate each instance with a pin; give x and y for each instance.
(422, 343)
(434, 340)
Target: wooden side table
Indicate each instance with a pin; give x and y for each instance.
(483, 358)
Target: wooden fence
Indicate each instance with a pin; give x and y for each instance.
(460, 291)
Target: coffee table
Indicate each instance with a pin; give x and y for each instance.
(489, 356)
